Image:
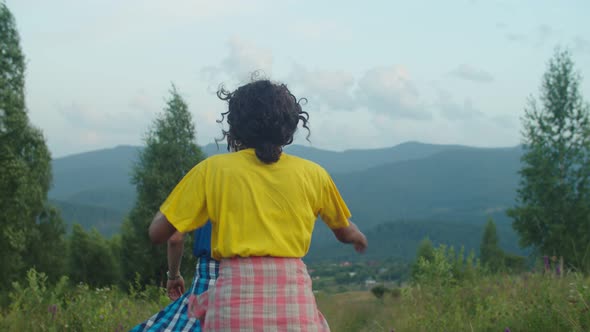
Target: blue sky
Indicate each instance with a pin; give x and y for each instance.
(376, 74)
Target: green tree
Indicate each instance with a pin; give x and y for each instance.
(552, 213)
(46, 245)
(91, 259)
(379, 291)
(170, 152)
(24, 160)
(425, 252)
(490, 253)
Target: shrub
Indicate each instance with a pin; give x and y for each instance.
(379, 291)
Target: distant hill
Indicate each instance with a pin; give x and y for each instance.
(447, 191)
(465, 185)
(100, 170)
(357, 160)
(400, 240)
(106, 221)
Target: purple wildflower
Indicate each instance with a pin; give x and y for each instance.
(546, 261)
(52, 309)
(507, 329)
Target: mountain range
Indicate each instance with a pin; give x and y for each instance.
(408, 184)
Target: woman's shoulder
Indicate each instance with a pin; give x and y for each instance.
(306, 164)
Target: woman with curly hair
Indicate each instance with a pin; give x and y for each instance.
(263, 204)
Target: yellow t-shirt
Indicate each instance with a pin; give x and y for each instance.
(256, 209)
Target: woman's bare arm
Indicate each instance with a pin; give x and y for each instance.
(351, 234)
(160, 229)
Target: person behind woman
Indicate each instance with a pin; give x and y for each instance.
(263, 204)
(175, 316)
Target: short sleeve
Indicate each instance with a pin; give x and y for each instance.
(186, 207)
(332, 208)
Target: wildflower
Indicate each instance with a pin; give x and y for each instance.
(52, 309)
(546, 261)
(507, 329)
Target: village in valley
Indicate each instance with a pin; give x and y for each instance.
(348, 275)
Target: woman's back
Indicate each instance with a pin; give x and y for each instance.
(260, 209)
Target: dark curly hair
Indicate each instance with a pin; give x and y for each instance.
(262, 115)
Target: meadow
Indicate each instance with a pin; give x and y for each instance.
(525, 302)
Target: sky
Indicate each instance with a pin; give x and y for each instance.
(375, 73)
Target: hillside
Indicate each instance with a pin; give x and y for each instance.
(400, 239)
(357, 160)
(460, 185)
(419, 184)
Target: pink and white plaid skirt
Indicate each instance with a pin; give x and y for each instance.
(259, 294)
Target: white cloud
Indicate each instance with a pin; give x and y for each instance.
(244, 58)
(97, 118)
(390, 90)
(331, 88)
(387, 90)
(470, 73)
(452, 110)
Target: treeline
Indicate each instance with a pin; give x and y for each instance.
(32, 233)
(400, 239)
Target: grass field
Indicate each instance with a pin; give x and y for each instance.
(494, 303)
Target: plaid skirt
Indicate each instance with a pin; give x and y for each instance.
(174, 317)
(259, 294)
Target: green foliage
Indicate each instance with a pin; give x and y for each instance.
(91, 258)
(529, 302)
(514, 263)
(425, 252)
(46, 246)
(553, 210)
(490, 253)
(395, 292)
(379, 291)
(36, 306)
(170, 152)
(446, 267)
(26, 173)
(490, 303)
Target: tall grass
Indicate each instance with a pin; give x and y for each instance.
(36, 307)
(530, 302)
(495, 303)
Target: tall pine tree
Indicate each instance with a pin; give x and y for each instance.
(25, 175)
(553, 202)
(170, 152)
(490, 253)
